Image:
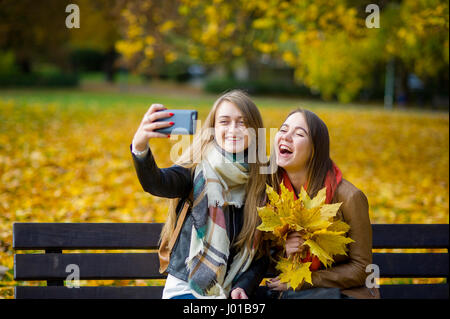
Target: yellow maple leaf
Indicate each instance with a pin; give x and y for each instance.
(311, 219)
(339, 226)
(316, 201)
(285, 204)
(332, 242)
(329, 210)
(294, 273)
(270, 219)
(315, 249)
(273, 197)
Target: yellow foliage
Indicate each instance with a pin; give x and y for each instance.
(326, 41)
(69, 161)
(166, 26)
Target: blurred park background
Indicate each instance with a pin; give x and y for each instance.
(71, 99)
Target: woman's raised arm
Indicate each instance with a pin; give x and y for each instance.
(172, 182)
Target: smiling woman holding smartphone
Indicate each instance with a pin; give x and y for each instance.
(213, 255)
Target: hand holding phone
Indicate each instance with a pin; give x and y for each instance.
(160, 122)
(147, 128)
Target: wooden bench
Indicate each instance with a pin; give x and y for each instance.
(53, 238)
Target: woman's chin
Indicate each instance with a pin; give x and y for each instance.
(282, 163)
(230, 148)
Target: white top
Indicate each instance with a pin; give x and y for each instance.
(140, 154)
(175, 287)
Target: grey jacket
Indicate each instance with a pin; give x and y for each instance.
(177, 182)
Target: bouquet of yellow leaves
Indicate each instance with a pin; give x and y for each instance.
(324, 236)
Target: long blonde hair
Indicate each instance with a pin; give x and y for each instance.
(256, 185)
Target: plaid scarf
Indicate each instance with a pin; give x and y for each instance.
(219, 182)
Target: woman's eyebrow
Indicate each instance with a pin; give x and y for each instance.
(297, 127)
(302, 129)
(227, 116)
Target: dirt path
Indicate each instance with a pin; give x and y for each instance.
(153, 87)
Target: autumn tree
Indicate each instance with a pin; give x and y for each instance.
(36, 31)
(415, 37)
(98, 31)
(327, 43)
(32, 31)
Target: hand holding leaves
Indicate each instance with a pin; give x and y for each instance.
(305, 222)
(294, 243)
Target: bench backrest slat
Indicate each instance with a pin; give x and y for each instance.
(44, 236)
(410, 236)
(146, 235)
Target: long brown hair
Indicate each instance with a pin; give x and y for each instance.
(256, 185)
(320, 162)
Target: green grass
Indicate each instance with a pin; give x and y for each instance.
(107, 99)
(126, 99)
(120, 78)
(79, 97)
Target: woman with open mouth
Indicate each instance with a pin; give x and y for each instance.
(302, 154)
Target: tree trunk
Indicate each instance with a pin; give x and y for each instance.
(24, 65)
(403, 94)
(389, 86)
(109, 65)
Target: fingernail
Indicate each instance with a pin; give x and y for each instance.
(168, 136)
(171, 123)
(171, 114)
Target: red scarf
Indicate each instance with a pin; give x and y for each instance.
(331, 184)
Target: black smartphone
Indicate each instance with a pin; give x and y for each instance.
(185, 122)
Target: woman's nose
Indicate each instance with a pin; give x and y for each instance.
(232, 126)
(287, 136)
